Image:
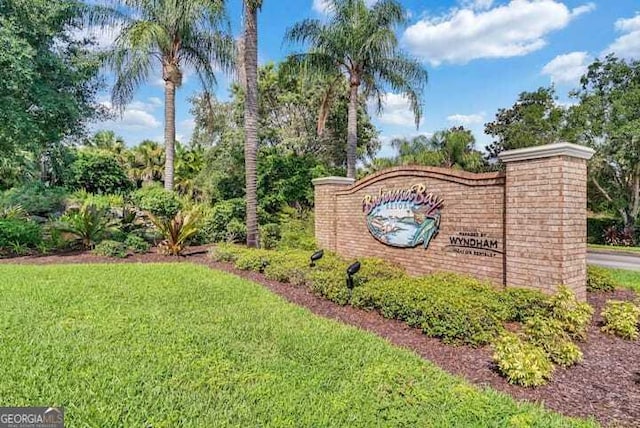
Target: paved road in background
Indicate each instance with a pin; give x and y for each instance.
(618, 261)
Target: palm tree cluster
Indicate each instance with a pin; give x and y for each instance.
(357, 48)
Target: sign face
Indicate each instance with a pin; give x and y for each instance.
(474, 243)
(403, 218)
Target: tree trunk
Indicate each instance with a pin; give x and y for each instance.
(352, 131)
(169, 131)
(251, 118)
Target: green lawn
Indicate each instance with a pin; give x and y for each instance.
(614, 248)
(177, 345)
(627, 278)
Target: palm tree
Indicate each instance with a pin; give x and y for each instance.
(360, 42)
(189, 162)
(146, 162)
(173, 34)
(250, 65)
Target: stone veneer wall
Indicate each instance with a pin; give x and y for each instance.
(535, 211)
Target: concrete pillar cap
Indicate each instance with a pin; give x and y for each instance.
(547, 151)
(344, 181)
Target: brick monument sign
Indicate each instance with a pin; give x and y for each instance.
(523, 227)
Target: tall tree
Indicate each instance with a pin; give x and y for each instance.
(174, 35)
(450, 148)
(360, 42)
(533, 120)
(48, 85)
(607, 119)
(250, 64)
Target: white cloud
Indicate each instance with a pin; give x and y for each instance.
(137, 116)
(102, 36)
(508, 30)
(149, 106)
(567, 68)
(466, 119)
(628, 44)
(184, 130)
(323, 7)
(396, 111)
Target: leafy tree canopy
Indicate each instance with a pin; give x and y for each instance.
(47, 93)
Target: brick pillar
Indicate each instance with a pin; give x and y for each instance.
(545, 217)
(325, 209)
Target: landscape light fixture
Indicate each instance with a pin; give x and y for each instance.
(315, 257)
(264, 265)
(352, 270)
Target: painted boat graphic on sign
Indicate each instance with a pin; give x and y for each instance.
(403, 218)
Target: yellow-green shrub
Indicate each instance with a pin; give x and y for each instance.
(600, 279)
(621, 319)
(573, 315)
(548, 334)
(521, 362)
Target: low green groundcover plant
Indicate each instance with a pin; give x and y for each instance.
(108, 248)
(137, 244)
(168, 345)
(621, 319)
(18, 235)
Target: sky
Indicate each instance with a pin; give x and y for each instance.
(480, 54)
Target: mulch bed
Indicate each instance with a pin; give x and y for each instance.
(606, 385)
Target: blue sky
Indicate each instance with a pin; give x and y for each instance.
(480, 54)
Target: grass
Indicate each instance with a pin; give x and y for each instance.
(629, 279)
(177, 345)
(615, 248)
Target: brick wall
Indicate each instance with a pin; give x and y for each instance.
(472, 203)
(546, 223)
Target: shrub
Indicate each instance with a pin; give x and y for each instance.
(596, 227)
(548, 334)
(522, 363)
(523, 304)
(600, 279)
(217, 224)
(177, 230)
(454, 308)
(36, 199)
(289, 267)
(156, 200)
(236, 231)
(88, 223)
(137, 244)
(226, 252)
(254, 260)
(297, 232)
(18, 235)
(574, 316)
(111, 249)
(330, 285)
(621, 319)
(97, 172)
(270, 236)
(377, 269)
